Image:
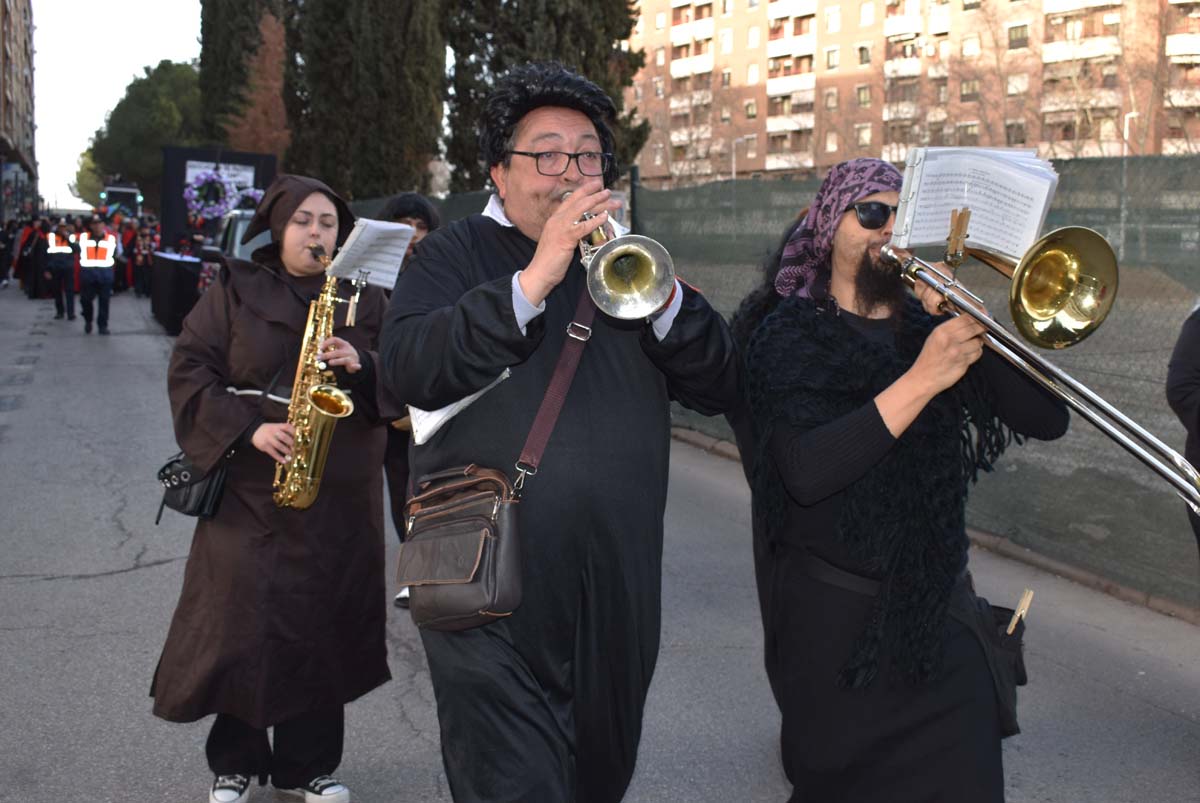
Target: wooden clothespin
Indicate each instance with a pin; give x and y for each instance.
(959, 218)
(1022, 609)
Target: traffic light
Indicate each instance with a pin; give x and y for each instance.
(103, 195)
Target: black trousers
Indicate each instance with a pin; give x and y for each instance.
(305, 747)
(62, 285)
(95, 284)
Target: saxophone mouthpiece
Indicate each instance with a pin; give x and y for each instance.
(318, 252)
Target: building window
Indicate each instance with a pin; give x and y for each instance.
(970, 4)
(751, 141)
(864, 96)
(681, 84)
(902, 90)
(864, 54)
(832, 58)
(941, 91)
(726, 7)
(658, 87)
(752, 37)
(702, 80)
(752, 75)
(778, 143)
(660, 20)
(681, 51)
(681, 15)
(1014, 133)
(658, 154)
(637, 92)
(751, 3)
(776, 30)
(833, 19)
(704, 12)
(969, 90)
(726, 41)
(830, 141)
(968, 134)
(751, 109)
(726, 78)
(802, 25)
(970, 46)
(831, 98)
(866, 15)
(804, 64)
(725, 115)
(1017, 84)
(862, 134)
(1074, 30)
(1018, 37)
(660, 56)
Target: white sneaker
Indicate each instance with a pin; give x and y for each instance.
(229, 789)
(322, 789)
(401, 600)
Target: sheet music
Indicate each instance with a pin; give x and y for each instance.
(1007, 190)
(375, 246)
(427, 422)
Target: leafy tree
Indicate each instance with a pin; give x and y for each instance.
(229, 35)
(159, 108)
(584, 35)
(88, 182)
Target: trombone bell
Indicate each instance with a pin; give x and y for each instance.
(1063, 288)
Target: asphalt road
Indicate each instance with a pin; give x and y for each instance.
(88, 583)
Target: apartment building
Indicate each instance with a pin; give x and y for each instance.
(18, 168)
(782, 88)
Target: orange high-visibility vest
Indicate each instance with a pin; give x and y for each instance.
(97, 253)
(57, 245)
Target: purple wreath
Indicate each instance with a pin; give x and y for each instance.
(211, 195)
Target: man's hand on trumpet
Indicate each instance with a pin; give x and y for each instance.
(561, 235)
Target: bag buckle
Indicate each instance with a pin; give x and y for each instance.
(579, 331)
(523, 471)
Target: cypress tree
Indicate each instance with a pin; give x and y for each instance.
(229, 36)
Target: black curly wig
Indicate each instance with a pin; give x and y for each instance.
(532, 86)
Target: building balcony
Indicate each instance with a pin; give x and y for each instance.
(936, 115)
(1066, 6)
(678, 3)
(679, 103)
(806, 44)
(779, 48)
(789, 161)
(905, 26)
(681, 68)
(1087, 149)
(1182, 2)
(937, 21)
(692, 167)
(703, 29)
(895, 152)
(702, 64)
(691, 134)
(787, 84)
(938, 69)
(780, 123)
(701, 97)
(1084, 99)
(791, 8)
(900, 110)
(681, 34)
(902, 68)
(1183, 44)
(1184, 98)
(1093, 47)
(1180, 147)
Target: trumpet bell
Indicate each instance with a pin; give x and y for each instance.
(630, 277)
(1063, 288)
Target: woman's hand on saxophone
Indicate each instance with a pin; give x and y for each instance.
(275, 441)
(335, 351)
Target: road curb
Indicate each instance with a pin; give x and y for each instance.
(1001, 546)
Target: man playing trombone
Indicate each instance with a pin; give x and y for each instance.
(873, 416)
(546, 704)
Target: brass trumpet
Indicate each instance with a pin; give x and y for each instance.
(628, 277)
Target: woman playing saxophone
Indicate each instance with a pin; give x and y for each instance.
(282, 614)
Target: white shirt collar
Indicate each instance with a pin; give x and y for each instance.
(495, 210)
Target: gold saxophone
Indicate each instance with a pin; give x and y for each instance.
(317, 402)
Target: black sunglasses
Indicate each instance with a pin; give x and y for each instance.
(872, 214)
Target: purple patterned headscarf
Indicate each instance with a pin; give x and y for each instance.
(811, 245)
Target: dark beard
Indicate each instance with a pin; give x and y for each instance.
(878, 284)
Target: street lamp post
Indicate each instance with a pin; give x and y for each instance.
(1124, 180)
(736, 141)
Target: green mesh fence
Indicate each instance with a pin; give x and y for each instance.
(1082, 500)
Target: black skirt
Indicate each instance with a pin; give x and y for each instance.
(891, 741)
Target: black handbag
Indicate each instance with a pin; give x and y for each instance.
(461, 556)
(1003, 651)
(189, 492)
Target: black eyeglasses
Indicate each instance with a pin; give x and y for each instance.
(872, 214)
(555, 163)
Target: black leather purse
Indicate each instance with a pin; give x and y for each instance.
(187, 491)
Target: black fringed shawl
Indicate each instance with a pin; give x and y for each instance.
(904, 520)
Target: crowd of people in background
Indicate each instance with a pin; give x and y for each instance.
(60, 256)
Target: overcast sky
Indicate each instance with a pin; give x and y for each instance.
(86, 53)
